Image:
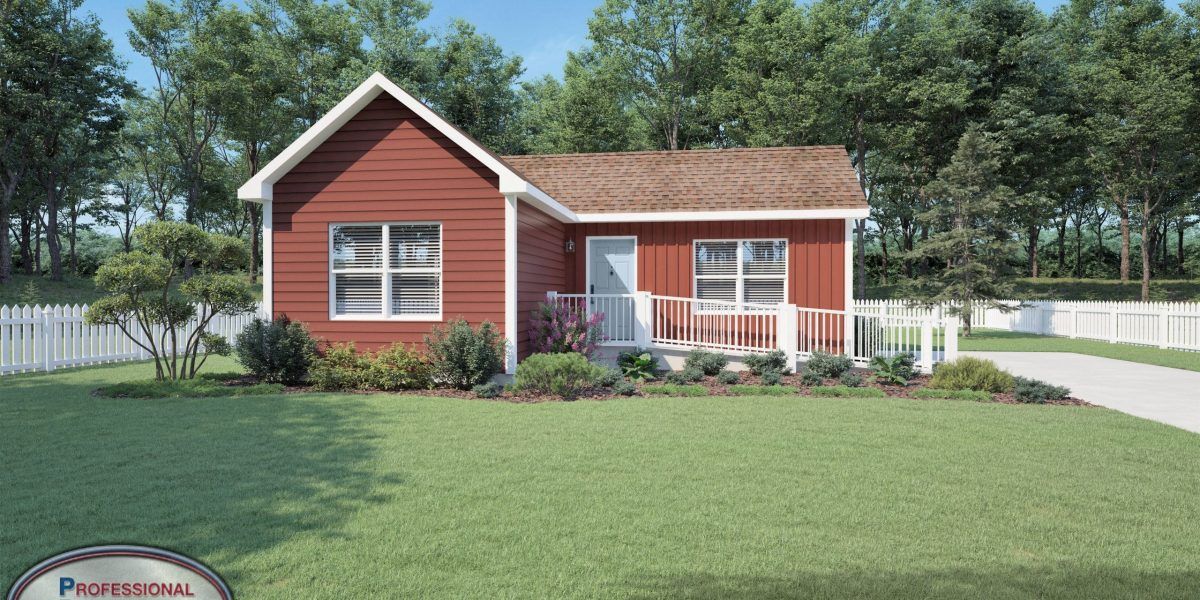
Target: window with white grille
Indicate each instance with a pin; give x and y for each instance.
(386, 271)
(750, 271)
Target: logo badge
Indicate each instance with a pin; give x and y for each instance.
(119, 572)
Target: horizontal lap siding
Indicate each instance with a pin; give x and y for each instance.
(816, 264)
(388, 165)
(541, 265)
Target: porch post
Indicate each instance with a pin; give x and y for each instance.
(643, 319)
(787, 331)
(510, 284)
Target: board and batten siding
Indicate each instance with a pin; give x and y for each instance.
(541, 265)
(388, 165)
(816, 263)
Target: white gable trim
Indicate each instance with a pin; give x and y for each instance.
(259, 187)
(725, 215)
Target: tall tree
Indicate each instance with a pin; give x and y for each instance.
(474, 85)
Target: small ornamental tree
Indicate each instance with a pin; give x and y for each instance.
(556, 328)
(164, 316)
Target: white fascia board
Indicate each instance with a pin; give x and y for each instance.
(725, 215)
(530, 193)
(258, 188)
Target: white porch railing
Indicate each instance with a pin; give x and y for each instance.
(649, 320)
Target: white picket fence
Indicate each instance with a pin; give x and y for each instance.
(44, 338)
(1172, 325)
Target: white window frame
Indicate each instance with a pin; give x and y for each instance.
(387, 271)
(740, 277)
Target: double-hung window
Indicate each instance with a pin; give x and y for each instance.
(749, 271)
(386, 271)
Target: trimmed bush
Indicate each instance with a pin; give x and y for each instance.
(398, 368)
(278, 351)
(841, 391)
(728, 377)
(970, 373)
(637, 364)
(936, 394)
(339, 367)
(851, 379)
(624, 388)
(896, 369)
(763, 390)
(490, 389)
(709, 363)
(830, 366)
(671, 389)
(772, 378)
(686, 376)
(1033, 391)
(608, 377)
(463, 357)
(809, 378)
(773, 361)
(564, 375)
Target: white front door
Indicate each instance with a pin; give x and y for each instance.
(612, 270)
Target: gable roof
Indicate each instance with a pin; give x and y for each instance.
(811, 182)
(802, 178)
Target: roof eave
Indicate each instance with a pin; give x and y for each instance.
(726, 215)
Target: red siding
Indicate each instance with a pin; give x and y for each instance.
(816, 265)
(388, 165)
(541, 265)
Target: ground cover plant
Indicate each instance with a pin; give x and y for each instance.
(333, 495)
(992, 340)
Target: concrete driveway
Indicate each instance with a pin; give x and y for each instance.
(1162, 394)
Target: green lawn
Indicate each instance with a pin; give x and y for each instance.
(70, 291)
(1044, 288)
(357, 496)
(994, 340)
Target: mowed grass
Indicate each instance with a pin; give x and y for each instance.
(359, 496)
(994, 340)
(1048, 288)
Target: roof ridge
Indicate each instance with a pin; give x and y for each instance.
(679, 152)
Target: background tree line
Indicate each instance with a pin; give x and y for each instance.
(1075, 132)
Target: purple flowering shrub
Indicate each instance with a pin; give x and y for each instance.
(557, 328)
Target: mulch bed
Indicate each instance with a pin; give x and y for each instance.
(714, 388)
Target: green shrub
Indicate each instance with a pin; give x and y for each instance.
(688, 375)
(463, 357)
(675, 390)
(976, 395)
(775, 360)
(771, 378)
(709, 363)
(1033, 391)
(624, 388)
(830, 366)
(565, 375)
(763, 390)
(490, 389)
(637, 365)
(398, 368)
(970, 373)
(608, 377)
(896, 369)
(728, 377)
(841, 391)
(809, 378)
(339, 367)
(851, 379)
(203, 387)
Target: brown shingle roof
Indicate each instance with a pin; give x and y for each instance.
(794, 178)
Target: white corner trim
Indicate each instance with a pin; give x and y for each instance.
(259, 187)
(510, 283)
(848, 328)
(725, 215)
(268, 254)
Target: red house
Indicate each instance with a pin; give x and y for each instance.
(384, 219)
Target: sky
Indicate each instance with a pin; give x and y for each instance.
(540, 31)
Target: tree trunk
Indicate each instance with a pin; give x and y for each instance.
(255, 211)
(1148, 233)
(37, 244)
(26, 244)
(52, 241)
(71, 236)
(860, 247)
(1062, 247)
(1123, 208)
(6, 195)
(883, 267)
(1179, 231)
(1034, 232)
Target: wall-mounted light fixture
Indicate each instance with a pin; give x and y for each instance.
(569, 246)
